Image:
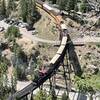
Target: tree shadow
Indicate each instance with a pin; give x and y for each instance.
(36, 17)
(33, 19)
(74, 16)
(2, 17)
(73, 58)
(65, 78)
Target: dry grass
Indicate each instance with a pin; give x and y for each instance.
(48, 50)
(46, 27)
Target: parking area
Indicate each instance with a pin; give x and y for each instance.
(4, 24)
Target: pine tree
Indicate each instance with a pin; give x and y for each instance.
(71, 4)
(67, 4)
(83, 6)
(30, 11)
(3, 8)
(4, 89)
(41, 95)
(64, 96)
(13, 81)
(53, 1)
(53, 93)
(10, 6)
(0, 5)
(23, 9)
(62, 4)
(88, 84)
(12, 33)
(49, 97)
(28, 7)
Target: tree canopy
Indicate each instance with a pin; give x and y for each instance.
(88, 83)
(12, 33)
(27, 9)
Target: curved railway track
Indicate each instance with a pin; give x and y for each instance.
(54, 63)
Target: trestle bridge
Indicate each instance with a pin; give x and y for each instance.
(65, 50)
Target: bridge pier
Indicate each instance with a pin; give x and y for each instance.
(24, 98)
(66, 73)
(30, 96)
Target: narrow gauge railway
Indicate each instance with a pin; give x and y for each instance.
(55, 61)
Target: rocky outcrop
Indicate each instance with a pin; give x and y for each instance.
(95, 4)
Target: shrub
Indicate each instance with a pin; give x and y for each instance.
(12, 33)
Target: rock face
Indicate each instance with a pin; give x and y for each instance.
(92, 69)
(97, 24)
(27, 45)
(95, 4)
(7, 53)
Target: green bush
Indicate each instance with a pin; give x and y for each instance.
(12, 33)
(41, 95)
(83, 8)
(98, 45)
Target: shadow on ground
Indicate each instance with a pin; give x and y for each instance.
(36, 17)
(73, 58)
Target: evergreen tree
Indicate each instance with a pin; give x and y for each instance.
(64, 96)
(71, 4)
(67, 4)
(10, 6)
(12, 33)
(13, 81)
(83, 6)
(49, 97)
(53, 1)
(4, 89)
(62, 4)
(0, 5)
(53, 93)
(28, 7)
(3, 8)
(30, 11)
(23, 10)
(88, 84)
(41, 95)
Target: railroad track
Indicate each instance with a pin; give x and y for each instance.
(53, 64)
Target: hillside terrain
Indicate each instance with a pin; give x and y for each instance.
(29, 39)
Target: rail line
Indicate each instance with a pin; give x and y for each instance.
(53, 64)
